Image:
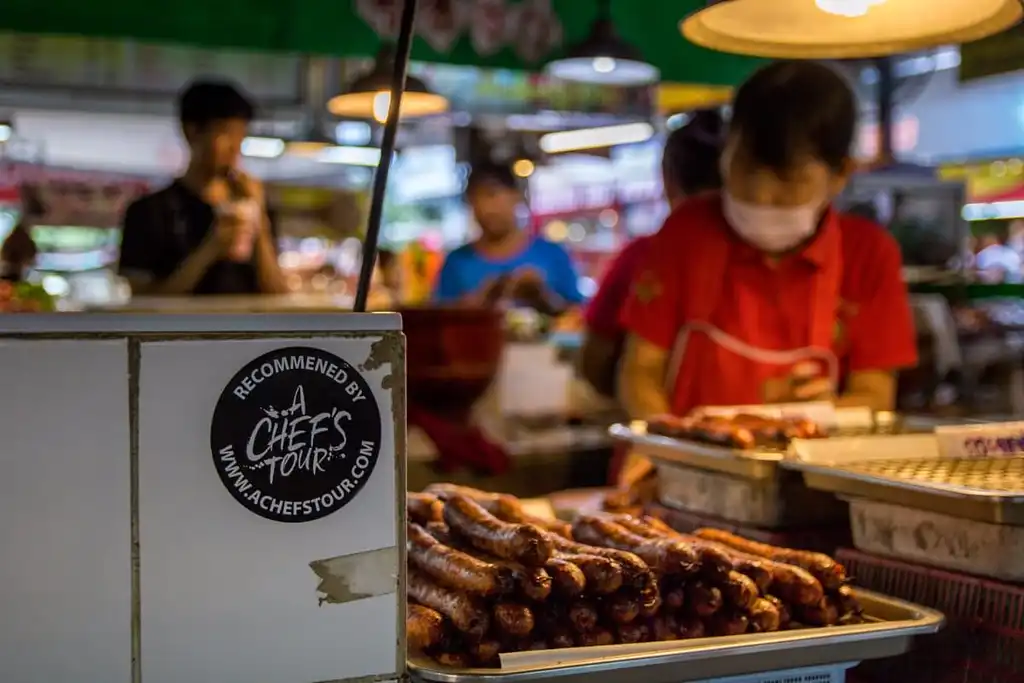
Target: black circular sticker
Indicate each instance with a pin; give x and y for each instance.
(296, 434)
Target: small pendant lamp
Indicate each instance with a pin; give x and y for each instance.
(604, 58)
(369, 95)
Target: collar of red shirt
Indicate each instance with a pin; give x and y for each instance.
(819, 252)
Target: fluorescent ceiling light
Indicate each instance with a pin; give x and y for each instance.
(594, 138)
(353, 156)
(262, 148)
(5, 132)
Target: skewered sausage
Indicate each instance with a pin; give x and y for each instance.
(424, 627)
(423, 508)
(827, 571)
(825, 613)
(513, 620)
(603, 576)
(520, 542)
(466, 614)
(664, 555)
(453, 568)
(567, 579)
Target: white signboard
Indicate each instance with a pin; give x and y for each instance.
(994, 440)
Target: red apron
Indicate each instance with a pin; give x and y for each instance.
(708, 367)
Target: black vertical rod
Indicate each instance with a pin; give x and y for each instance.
(886, 105)
(387, 152)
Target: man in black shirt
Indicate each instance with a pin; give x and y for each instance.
(207, 232)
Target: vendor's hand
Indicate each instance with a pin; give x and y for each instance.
(803, 383)
(527, 284)
(489, 294)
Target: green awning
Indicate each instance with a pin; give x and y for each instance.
(334, 27)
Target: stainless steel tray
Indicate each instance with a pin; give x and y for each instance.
(894, 625)
(761, 464)
(982, 489)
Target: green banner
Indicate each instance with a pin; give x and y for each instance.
(515, 34)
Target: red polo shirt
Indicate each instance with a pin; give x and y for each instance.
(604, 312)
(843, 293)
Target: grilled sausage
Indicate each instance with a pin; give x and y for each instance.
(621, 609)
(690, 628)
(424, 628)
(423, 508)
(595, 638)
(582, 616)
(764, 617)
(702, 600)
(519, 542)
(465, 613)
(513, 620)
(727, 623)
(663, 555)
(628, 634)
(453, 568)
(739, 591)
(827, 571)
(567, 579)
(454, 660)
(485, 653)
(603, 576)
(825, 613)
(635, 573)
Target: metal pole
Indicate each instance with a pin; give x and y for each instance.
(886, 105)
(387, 151)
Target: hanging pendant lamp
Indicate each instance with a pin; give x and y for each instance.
(369, 96)
(844, 29)
(604, 58)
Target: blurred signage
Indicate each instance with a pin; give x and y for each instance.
(998, 54)
(68, 197)
(29, 61)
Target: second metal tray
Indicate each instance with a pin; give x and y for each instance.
(894, 625)
(981, 489)
(758, 464)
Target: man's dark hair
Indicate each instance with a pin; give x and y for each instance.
(692, 151)
(203, 102)
(792, 108)
(490, 172)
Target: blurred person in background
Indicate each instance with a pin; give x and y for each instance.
(689, 165)
(763, 292)
(18, 253)
(505, 262)
(996, 262)
(208, 231)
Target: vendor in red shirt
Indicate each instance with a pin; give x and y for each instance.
(764, 293)
(689, 165)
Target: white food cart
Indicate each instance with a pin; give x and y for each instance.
(202, 498)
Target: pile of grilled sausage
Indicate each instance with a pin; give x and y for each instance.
(740, 431)
(487, 578)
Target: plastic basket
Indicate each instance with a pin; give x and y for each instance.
(983, 641)
(834, 673)
(821, 539)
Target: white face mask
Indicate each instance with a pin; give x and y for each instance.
(771, 228)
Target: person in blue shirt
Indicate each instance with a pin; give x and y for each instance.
(505, 263)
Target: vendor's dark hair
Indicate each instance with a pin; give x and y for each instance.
(690, 159)
(491, 172)
(205, 101)
(792, 108)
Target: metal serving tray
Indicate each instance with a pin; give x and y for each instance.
(982, 489)
(757, 464)
(891, 631)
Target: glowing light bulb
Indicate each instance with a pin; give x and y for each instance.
(523, 168)
(381, 104)
(603, 65)
(847, 8)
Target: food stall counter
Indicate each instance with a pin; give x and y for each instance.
(284, 303)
